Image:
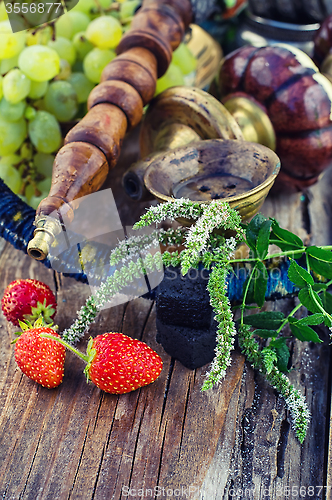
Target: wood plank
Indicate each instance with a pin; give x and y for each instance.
(77, 442)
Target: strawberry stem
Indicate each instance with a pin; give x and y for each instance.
(65, 344)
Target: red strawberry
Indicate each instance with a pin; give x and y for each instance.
(27, 300)
(40, 359)
(120, 364)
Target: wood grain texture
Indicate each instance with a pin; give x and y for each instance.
(76, 442)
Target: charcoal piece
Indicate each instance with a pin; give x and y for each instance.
(184, 300)
(192, 347)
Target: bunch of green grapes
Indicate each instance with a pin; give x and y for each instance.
(46, 75)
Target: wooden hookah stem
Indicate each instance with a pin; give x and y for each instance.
(115, 106)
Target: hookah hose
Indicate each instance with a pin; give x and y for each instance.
(16, 227)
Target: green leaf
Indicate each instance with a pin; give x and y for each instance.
(284, 239)
(252, 230)
(262, 245)
(303, 332)
(282, 352)
(320, 261)
(298, 275)
(265, 334)
(313, 319)
(257, 286)
(307, 296)
(319, 287)
(326, 298)
(270, 320)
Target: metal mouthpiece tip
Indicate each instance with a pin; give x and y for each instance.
(38, 247)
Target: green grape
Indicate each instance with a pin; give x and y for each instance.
(39, 37)
(29, 192)
(171, 78)
(80, 21)
(61, 100)
(45, 185)
(38, 89)
(12, 134)
(45, 132)
(8, 64)
(1, 91)
(11, 112)
(95, 62)
(184, 59)
(35, 200)
(15, 86)
(65, 70)
(104, 4)
(10, 43)
(64, 26)
(10, 159)
(85, 6)
(128, 9)
(82, 45)
(44, 164)
(30, 113)
(3, 13)
(26, 151)
(82, 86)
(11, 177)
(105, 32)
(39, 62)
(64, 48)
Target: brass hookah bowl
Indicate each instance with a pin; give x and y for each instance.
(192, 147)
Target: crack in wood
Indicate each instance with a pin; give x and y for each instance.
(79, 461)
(146, 320)
(184, 417)
(306, 219)
(101, 398)
(161, 457)
(98, 473)
(281, 447)
(167, 385)
(32, 463)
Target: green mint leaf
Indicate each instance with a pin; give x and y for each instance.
(260, 284)
(303, 332)
(307, 296)
(257, 287)
(319, 287)
(320, 261)
(326, 298)
(270, 320)
(265, 334)
(313, 319)
(284, 239)
(252, 230)
(298, 275)
(282, 352)
(262, 245)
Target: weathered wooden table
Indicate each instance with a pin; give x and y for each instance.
(167, 440)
